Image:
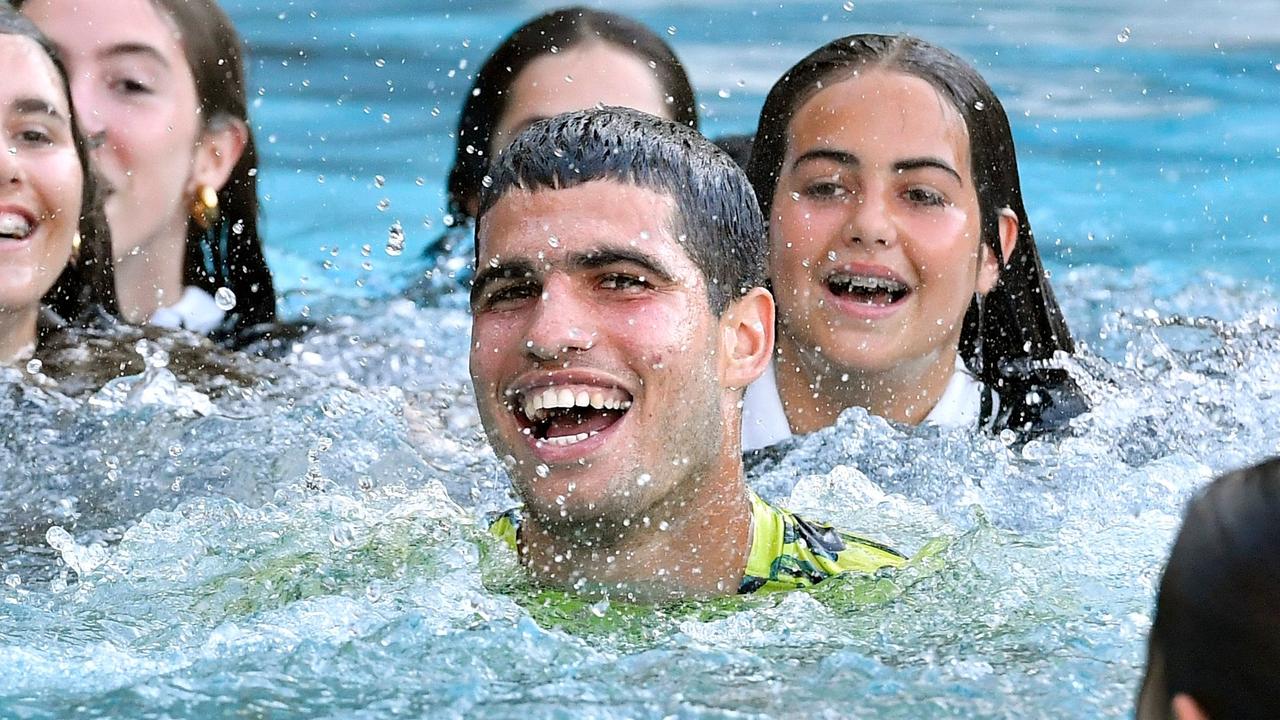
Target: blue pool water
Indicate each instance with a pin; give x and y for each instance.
(307, 542)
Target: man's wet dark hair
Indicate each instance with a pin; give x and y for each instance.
(555, 31)
(87, 285)
(1019, 319)
(1216, 633)
(714, 215)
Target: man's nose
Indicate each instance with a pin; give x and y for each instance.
(561, 325)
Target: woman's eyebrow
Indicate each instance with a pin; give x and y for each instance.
(134, 48)
(36, 106)
(841, 157)
(926, 162)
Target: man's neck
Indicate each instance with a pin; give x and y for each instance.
(814, 392)
(692, 545)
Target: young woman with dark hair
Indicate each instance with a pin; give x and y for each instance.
(1215, 641)
(567, 59)
(55, 262)
(159, 87)
(906, 274)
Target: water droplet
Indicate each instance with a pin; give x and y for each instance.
(568, 78)
(724, 94)
(979, 106)
(419, 181)
(487, 181)
(34, 365)
(386, 117)
(848, 7)
(553, 241)
(599, 609)
(175, 451)
(384, 204)
(435, 112)
(671, 29)
(342, 535)
(225, 299)
(380, 62)
(379, 181)
(395, 239)
(542, 470)
(1123, 35)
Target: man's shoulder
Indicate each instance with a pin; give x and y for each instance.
(789, 552)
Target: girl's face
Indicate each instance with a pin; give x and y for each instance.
(40, 175)
(874, 248)
(586, 75)
(133, 89)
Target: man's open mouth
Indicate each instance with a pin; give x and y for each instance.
(867, 289)
(15, 226)
(565, 415)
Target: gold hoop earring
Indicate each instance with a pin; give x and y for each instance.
(204, 210)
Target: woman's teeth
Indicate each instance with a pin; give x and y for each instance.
(14, 226)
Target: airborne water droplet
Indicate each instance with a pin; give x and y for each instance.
(379, 181)
(848, 7)
(1123, 35)
(384, 204)
(542, 471)
(34, 365)
(671, 29)
(225, 299)
(395, 239)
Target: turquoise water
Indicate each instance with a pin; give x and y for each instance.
(303, 541)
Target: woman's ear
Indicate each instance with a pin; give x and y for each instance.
(746, 338)
(989, 266)
(217, 153)
(1186, 708)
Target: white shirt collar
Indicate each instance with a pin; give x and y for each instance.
(195, 311)
(764, 420)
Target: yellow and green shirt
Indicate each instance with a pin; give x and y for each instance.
(787, 552)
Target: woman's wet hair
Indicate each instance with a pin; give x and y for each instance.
(714, 212)
(87, 285)
(1019, 320)
(1216, 632)
(229, 254)
(555, 31)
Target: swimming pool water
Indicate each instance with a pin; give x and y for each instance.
(310, 543)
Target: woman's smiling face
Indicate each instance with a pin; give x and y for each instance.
(40, 176)
(874, 235)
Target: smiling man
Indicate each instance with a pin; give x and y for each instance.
(618, 313)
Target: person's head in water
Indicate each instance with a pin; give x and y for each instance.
(568, 59)
(160, 86)
(618, 313)
(885, 168)
(54, 244)
(1215, 641)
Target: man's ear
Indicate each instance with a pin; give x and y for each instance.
(220, 148)
(989, 266)
(746, 338)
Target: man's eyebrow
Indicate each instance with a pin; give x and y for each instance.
(36, 106)
(134, 48)
(927, 162)
(491, 273)
(603, 257)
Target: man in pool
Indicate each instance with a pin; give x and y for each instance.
(618, 313)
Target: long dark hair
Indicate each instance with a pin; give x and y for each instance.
(87, 284)
(553, 32)
(228, 254)
(1019, 319)
(1216, 633)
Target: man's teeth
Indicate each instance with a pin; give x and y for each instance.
(566, 440)
(537, 404)
(14, 225)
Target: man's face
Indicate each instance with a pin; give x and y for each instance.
(594, 353)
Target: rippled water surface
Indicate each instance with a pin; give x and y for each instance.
(305, 539)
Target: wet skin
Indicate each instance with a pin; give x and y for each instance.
(41, 182)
